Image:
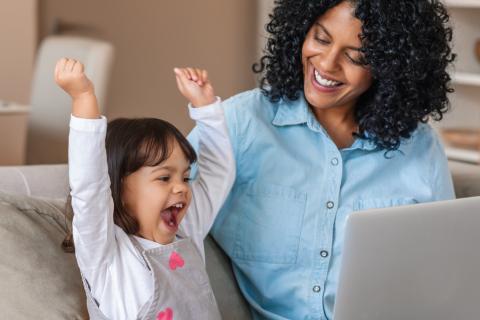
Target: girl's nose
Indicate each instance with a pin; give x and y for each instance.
(180, 187)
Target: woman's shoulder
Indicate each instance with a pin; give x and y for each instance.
(248, 101)
(423, 141)
(248, 107)
(249, 95)
(425, 134)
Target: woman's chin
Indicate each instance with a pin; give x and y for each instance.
(320, 103)
(320, 100)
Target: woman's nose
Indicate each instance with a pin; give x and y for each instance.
(329, 62)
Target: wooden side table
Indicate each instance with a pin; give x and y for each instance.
(13, 133)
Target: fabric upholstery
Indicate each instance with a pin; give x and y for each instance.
(39, 280)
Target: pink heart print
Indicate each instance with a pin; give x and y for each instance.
(176, 261)
(165, 315)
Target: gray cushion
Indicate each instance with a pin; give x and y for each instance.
(230, 301)
(38, 279)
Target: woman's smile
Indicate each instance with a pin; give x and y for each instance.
(324, 83)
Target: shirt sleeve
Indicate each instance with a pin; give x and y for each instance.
(215, 171)
(93, 230)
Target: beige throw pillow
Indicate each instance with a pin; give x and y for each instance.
(38, 279)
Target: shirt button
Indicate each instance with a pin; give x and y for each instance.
(334, 161)
(330, 205)
(316, 289)
(324, 253)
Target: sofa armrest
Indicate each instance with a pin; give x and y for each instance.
(466, 179)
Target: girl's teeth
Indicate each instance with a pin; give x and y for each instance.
(324, 82)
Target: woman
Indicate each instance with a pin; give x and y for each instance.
(338, 125)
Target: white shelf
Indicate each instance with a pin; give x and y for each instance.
(13, 108)
(463, 3)
(465, 78)
(466, 21)
(463, 155)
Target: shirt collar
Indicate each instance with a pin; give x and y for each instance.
(362, 144)
(295, 112)
(291, 112)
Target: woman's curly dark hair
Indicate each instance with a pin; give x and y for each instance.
(406, 44)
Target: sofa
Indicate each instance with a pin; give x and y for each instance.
(40, 280)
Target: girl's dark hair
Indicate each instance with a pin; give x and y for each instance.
(67, 243)
(132, 144)
(406, 45)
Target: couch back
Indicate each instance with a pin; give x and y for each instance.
(48, 181)
(51, 181)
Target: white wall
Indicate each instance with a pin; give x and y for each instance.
(18, 40)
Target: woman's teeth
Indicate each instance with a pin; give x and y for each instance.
(324, 82)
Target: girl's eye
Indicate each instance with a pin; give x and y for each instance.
(187, 179)
(164, 179)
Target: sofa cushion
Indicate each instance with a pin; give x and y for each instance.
(39, 280)
(230, 300)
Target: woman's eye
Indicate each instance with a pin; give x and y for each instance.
(320, 40)
(356, 61)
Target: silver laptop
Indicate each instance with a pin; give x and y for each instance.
(419, 262)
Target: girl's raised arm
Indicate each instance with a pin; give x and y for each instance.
(216, 164)
(93, 230)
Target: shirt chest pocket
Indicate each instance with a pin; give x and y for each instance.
(377, 203)
(270, 223)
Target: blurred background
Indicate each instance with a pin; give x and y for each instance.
(145, 41)
(130, 48)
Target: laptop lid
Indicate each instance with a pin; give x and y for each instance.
(412, 262)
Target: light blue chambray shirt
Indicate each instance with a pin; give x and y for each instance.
(283, 222)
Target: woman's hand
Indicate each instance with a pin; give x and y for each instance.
(70, 76)
(194, 85)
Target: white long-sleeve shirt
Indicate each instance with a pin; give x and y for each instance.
(115, 271)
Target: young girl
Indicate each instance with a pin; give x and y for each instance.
(130, 193)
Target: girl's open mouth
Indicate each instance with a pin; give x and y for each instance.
(170, 216)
